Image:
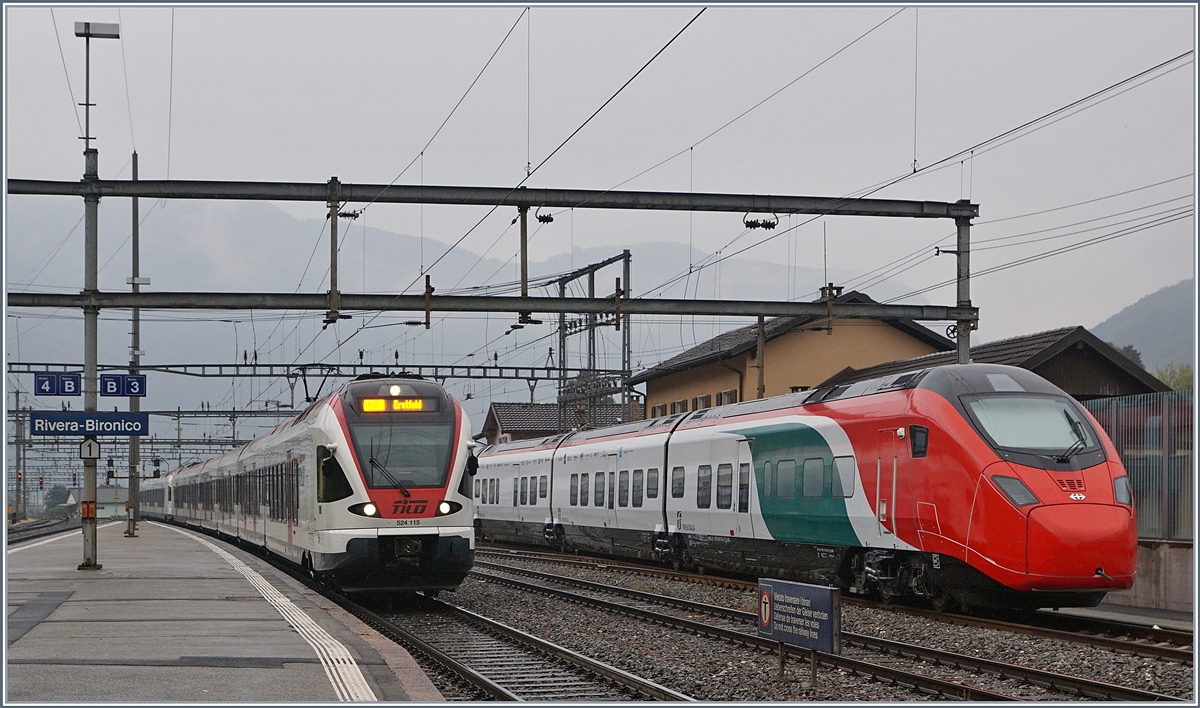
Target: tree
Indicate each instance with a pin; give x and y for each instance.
(54, 499)
(1130, 353)
(1177, 376)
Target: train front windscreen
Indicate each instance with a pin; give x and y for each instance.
(403, 432)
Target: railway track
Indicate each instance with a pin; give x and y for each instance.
(1139, 640)
(41, 529)
(490, 660)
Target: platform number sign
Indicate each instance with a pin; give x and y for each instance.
(58, 384)
(121, 385)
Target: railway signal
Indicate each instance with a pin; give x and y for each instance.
(41, 482)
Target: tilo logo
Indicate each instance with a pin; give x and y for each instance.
(405, 507)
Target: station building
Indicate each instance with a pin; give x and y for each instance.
(509, 422)
(110, 501)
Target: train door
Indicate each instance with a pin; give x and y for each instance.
(886, 468)
(610, 493)
(743, 483)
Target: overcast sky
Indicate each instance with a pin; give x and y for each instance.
(847, 98)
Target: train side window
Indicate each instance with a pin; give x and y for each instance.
(575, 489)
(704, 487)
(814, 477)
(652, 483)
(768, 479)
(724, 486)
(919, 435)
(623, 488)
(524, 491)
(516, 491)
(495, 490)
(478, 484)
(785, 479)
(637, 487)
(599, 496)
(677, 483)
(584, 479)
(743, 487)
(611, 489)
(843, 476)
(543, 486)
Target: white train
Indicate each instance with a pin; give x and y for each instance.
(369, 488)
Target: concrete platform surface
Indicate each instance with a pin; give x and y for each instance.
(1148, 616)
(174, 615)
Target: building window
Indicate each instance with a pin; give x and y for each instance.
(699, 403)
(727, 397)
(704, 487)
(679, 406)
(658, 411)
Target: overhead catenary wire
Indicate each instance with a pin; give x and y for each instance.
(67, 74)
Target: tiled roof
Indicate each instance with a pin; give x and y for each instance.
(1026, 351)
(734, 342)
(543, 417)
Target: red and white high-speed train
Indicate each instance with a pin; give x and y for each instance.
(369, 488)
(981, 485)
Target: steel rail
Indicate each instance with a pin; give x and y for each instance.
(904, 678)
(1047, 679)
(587, 663)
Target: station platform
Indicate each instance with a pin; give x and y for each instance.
(1166, 619)
(177, 616)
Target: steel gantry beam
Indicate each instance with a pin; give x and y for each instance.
(500, 196)
(472, 303)
(433, 371)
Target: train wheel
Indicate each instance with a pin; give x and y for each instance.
(943, 601)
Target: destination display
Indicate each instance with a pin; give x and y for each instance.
(88, 423)
(802, 615)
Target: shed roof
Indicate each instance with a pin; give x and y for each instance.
(1026, 351)
(736, 341)
(543, 417)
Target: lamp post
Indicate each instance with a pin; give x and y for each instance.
(91, 315)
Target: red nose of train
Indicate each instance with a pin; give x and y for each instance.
(1044, 530)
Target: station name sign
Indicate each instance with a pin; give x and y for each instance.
(802, 615)
(88, 423)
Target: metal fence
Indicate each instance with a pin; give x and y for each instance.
(1153, 434)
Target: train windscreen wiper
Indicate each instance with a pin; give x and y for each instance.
(379, 466)
(1079, 444)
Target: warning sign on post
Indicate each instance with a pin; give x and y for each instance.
(802, 615)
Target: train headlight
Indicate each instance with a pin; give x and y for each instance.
(445, 508)
(1015, 490)
(365, 509)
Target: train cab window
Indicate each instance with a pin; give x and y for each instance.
(524, 491)
(724, 486)
(843, 477)
(785, 479)
(652, 483)
(814, 477)
(599, 489)
(543, 486)
(743, 487)
(332, 485)
(638, 480)
(478, 484)
(919, 435)
(575, 490)
(583, 489)
(623, 488)
(768, 479)
(677, 483)
(704, 487)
